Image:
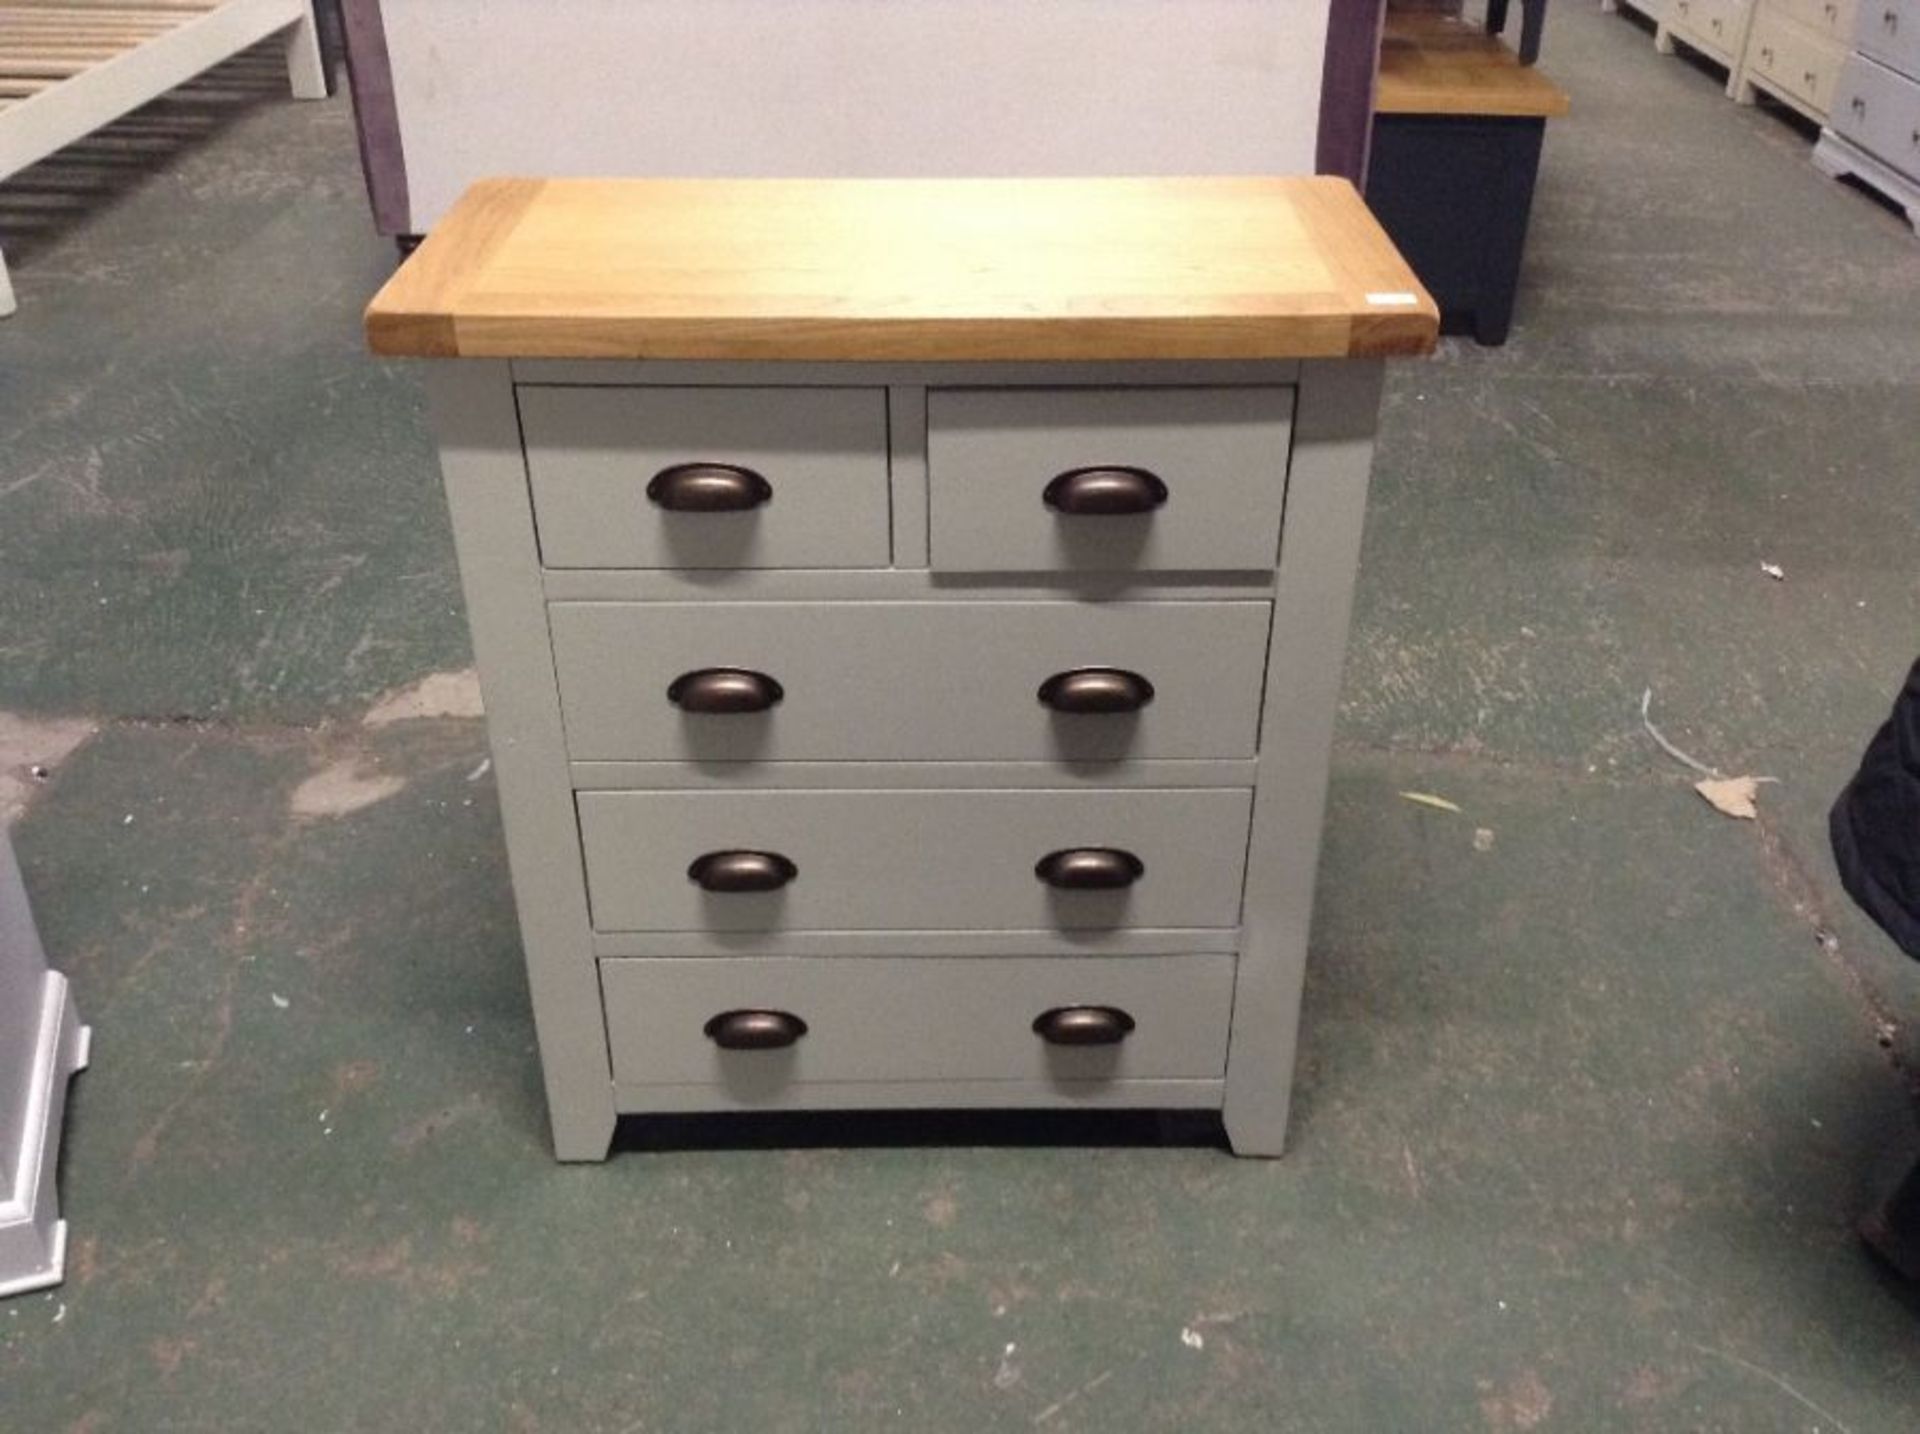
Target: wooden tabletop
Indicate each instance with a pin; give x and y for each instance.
(933, 270)
(1437, 65)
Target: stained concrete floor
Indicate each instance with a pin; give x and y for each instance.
(1594, 1081)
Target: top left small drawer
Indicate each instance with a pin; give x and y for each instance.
(708, 477)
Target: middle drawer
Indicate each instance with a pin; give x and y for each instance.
(913, 681)
(915, 860)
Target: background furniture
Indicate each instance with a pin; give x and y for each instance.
(448, 92)
(1714, 28)
(1456, 150)
(1874, 132)
(1654, 10)
(1794, 50)
(902, 688)
(68, 67)
(42, 1044)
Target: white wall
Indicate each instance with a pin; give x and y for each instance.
(851, 87)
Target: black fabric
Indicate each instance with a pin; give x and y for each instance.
(1875, 824)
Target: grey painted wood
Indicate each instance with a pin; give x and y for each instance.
(592, 451)
(1125, 941)
(907, 458)
(826, 585)
(702, 373)
(927, 1095)
(1320, 554)
(473, 415)
(909, 681)
(914, 861)
(873, 860)
(911, 776)
(1222, 453)
(903, 1021)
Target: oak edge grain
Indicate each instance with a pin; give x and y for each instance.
(416, 312)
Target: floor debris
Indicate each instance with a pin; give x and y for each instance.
(1731, 795)
(1774, 571)
(1428, 799)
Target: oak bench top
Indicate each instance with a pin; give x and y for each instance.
(981, 270)
(1437, 65)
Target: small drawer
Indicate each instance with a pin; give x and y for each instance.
(1107, 480)
(914, 860)
(909, 681)
(708, 477)
(788, 1021)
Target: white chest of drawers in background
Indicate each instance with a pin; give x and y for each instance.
(1795, 50)
(1873, 128)
(910, 615)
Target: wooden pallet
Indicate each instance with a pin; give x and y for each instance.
(68, 67)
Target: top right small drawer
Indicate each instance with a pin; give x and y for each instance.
(1107, 480)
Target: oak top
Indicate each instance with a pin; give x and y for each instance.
(908, 270)
(1437, 65)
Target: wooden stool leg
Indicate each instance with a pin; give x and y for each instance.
(306, 69)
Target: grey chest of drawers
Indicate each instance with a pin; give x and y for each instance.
(910, 617)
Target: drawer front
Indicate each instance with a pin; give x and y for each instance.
(910, 681)
(1709, 25)
(1219, 456)
(1794, 59)
(1879, 111)
(1889, 31)
(917, 1018)
(1828, 19)
(914, 860)
(594, 453)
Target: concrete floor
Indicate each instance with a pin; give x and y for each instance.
(1595, 1081)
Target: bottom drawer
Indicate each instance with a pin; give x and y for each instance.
(895, 1021)
(1710, 26)
(1879, 111)
(1794, 60)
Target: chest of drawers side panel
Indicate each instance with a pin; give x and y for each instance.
(486, 481)
(1334, 428)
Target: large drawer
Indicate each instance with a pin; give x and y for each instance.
(1879, 111)
(1004, 465)
(1889, 31)
(914, 860)
(1712, 26)
(1793, 59)
(819, 455)
(913, 1019)
(912, 681)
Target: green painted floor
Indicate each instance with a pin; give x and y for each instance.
(1595, 1081)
